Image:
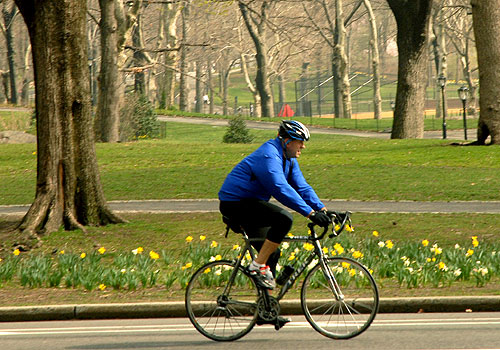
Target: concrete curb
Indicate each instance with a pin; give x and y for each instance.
(288, 307)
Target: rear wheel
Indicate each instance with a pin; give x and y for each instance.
(219, 309)
(344, 316)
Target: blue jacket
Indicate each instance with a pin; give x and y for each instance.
(264, 173)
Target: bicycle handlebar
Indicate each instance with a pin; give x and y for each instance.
(337, 218)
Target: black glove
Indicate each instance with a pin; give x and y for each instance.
(320, 218)
(337, 216)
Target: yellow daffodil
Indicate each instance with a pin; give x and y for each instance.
(389, 244)
(346, 265)
(375, 233)
(352, 272)
(291, 257)
(202, 237)
(187, 266)
(16, 252)
(153, 255)
(189, 239)
(425, 243)
(101, 250)
(338, 247)
(214, 244)
(236, 247)
(207, 270)
(475, 242)
(442, 265)
(349, 228)
(325, 250)
(83, 255)
(357, 254)
(102, 286)
(469, 252)
(308, 246)
(139, 250)
(62, 252)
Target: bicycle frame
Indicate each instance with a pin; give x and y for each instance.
(318, 252)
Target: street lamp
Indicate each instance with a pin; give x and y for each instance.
(442, 83)
(463, 93)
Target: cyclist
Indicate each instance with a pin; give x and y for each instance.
(271, 171)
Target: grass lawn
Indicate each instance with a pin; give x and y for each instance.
(191, 162)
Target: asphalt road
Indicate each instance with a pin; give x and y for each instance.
(388, 332)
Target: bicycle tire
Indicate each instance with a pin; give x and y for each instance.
(217, 310)
(333, 317)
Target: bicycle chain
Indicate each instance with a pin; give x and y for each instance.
(272, 313)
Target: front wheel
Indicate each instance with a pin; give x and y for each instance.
(345, 313)
(222, 305)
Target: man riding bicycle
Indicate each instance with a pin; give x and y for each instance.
(271, 171)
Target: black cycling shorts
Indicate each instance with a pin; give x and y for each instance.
(259, 218)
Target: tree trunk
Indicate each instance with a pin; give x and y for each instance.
(140, 58)
(257, 110)
(377, 99)
(486, 17)
(116, 28)
(183, 85)
(26, 78)
(111, 87)
(198, 88)
(168, 30)
(68, 187)
(341, 63)
(440, 58)
(412, 18)
(8, 18)
(256, 29)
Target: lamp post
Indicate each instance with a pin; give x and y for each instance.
(463, 93)
(442, 83)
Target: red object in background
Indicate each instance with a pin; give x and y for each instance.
(286, 111)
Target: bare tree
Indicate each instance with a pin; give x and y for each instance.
(116, 26)
(460, 33)
(68, 187)
(377, 99)
(9, 12)
(486, 21)
(334, 35)
(256, 22)
(440, 51)
(412, 18)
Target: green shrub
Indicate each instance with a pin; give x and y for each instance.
(237, 132)
(137, 119)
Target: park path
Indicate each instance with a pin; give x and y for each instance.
(212, 205)
(263, 125)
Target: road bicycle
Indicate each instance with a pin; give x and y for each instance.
(339, 296)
